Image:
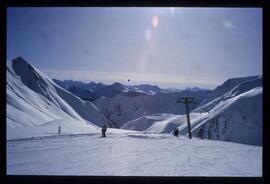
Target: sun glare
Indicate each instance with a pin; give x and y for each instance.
(155, 21)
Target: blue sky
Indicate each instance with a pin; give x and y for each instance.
(169, 47)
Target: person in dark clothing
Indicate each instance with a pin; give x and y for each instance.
(176, 132)
(103, 130)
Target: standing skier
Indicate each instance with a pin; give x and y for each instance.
(176, 132)
(103, 130)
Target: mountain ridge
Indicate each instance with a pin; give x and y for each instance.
(28, 77)
(91, 91)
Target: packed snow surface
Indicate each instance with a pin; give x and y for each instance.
(124, 153)
(68, 126)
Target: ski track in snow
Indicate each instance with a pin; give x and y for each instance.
(131, 154)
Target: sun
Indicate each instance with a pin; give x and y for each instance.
(155, 21)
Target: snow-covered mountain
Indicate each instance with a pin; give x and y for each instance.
(117, 103)
(144, 122)
(244, 86)
(238, 119)
(234, 116)
(164, 123)
(34, 99)
(121, 103)
(121, 109)
(148, 89)
(92, 91)
(171, 90)
(226, 87)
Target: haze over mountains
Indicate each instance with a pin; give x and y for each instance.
(231, 112)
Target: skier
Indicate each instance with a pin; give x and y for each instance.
(176, 132)
(103, 130)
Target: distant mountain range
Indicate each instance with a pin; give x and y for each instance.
(92, 91)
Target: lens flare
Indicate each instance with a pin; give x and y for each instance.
(155, 21)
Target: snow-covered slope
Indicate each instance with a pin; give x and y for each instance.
(196, 89)
(33, 99)
(238, 119)
(164, 123)
(146, 121)
(146, 88)
(226, 87)
(236, 116)
(50, 129)
(83, 93)
(131, 154)
(28, 108)
(246, 85)
(121, 109)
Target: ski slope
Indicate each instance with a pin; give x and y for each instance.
(124, 153)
